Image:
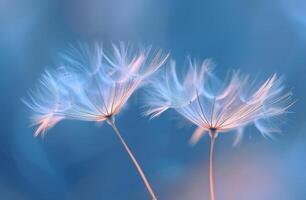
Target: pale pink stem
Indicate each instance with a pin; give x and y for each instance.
(146, 182)
(211, 175)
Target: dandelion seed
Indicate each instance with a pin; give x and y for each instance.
(48, 102)
(99, 85)
(228, 108)
(170, 91)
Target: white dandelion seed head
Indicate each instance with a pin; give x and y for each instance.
(216, 106)
(236, 107)
(92, 85)
(122, 71)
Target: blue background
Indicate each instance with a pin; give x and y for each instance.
(80, 160)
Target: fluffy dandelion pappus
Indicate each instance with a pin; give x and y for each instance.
(227, 107)
(48, 101)
(168, 91)
(96, 85)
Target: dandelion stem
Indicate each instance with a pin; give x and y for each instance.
(146, 182)
(213, 135)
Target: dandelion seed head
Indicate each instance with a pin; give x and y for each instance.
(92, 84)
(230, 106)
(121, 73)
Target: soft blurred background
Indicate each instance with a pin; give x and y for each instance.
(80, 160)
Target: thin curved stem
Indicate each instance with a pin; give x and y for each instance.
(146, 182)
(211, 158)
